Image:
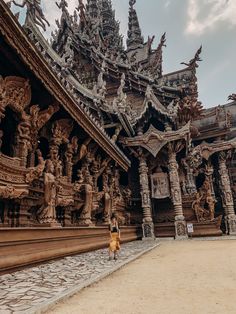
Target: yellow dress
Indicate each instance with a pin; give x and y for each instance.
(114, 242)
(115, 238)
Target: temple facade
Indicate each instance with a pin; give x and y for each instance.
(89, 128)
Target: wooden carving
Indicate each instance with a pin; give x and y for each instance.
(15, 92)
(204, 203)
(34, 12)
(61, 131)
(47, 214)
(154, 140)
(10, 192)
(36, 172)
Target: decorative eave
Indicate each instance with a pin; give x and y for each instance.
(206, 150)
(153, 101)
(12, 31)
(154, 140)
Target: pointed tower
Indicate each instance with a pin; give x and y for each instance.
(156, 65)
(135, 38)
(110, 27)
(92, 9)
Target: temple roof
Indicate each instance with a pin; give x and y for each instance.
(36, 58)
(87, 56)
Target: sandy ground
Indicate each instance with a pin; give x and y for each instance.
(181, 277)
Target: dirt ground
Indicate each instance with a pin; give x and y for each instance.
(180, 277)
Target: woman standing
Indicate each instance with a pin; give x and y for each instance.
(114, 238)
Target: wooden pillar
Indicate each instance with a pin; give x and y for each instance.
(24, 214)
(180, 223)
(148, 226)
(227, 196)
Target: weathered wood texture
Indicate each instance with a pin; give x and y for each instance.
(26, 246)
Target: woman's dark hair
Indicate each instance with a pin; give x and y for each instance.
(113, 216)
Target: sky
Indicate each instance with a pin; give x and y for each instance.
(188, 25)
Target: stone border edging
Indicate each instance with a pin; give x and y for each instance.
(42, 308)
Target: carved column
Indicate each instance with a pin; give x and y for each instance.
(180, 223)
(68, 220)
(69, 163)
(227, 196)
(24, 214)
(107, 197)
(148, 226)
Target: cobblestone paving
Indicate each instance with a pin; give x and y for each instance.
(24, 291)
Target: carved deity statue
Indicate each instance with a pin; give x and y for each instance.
(56, 161)
(85, 215)
(82, 150)
(204, 203)
(211, 204)
(197, 208)
(107, 196)
(72, 148)
(34, 11)
(48, 211)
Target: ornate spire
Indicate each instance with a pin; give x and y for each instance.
(110, 27)
(92, 9)
(156, 67)
(81, 10)
(193, 63)
(134, 32)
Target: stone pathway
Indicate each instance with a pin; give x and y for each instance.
(33, 290)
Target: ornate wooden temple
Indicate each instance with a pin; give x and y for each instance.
(89, 128)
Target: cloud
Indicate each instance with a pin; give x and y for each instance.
(207, 14)
(167, 4)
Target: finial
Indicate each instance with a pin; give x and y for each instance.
(232, 97)
(193, 62)
(132, 3)
(34, 12)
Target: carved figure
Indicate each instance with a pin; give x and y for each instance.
(193, 62)
(85, 216)
(107, 197)
(47, 213)
(34, 11)
(81, 10)
(211, 204)
(39, 118)
(71, 150)
(83, 150)
(197, 208)
(61, 131)
(36, 172)
(204, 204)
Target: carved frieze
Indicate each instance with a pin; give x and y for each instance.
(10, 191)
